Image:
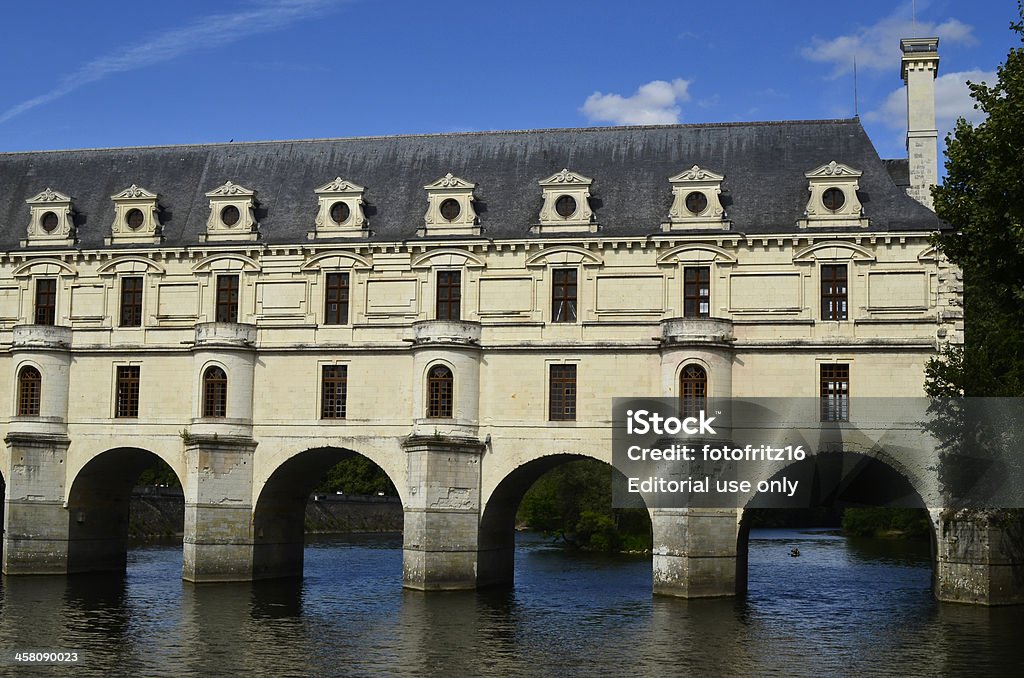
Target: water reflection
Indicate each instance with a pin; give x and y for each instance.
(850, 607)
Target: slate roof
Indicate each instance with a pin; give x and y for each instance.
(763, 163)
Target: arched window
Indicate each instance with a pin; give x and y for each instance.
(29, 385)
(215, 392)
(693, 390)
(439, 392)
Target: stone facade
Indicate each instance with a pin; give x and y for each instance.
(242, 294)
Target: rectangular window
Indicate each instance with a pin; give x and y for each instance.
(449, 295)
(333, 391)
(563, 295)
(46, 301)
(127, 403)
(835, 393)
(227, 299)
(336, 299)
(833, 292)
(563, 393)
(697, 292)
(131, 302)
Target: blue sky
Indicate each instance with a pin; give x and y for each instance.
(137, 73)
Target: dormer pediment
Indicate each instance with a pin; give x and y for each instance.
(340, 210)
(232, 213)
(696, 201)
(136, 218)
(833, 201)
(450, 208)
(566, 207)
(51, 219)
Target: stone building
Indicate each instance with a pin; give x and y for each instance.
(459, 308)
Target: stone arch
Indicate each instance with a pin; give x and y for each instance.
(833, 251)
(130, 264)
(709, 375)
(496, 560)
(846, 478)
(98, 506)
(279, 508)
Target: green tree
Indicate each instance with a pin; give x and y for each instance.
(982, 200)
(356, 475)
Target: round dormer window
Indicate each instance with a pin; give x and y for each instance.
(230, 215)
(565, 206)
(134, 219)
(833, 199)
(451, 209)
(696, 202)
(49, 222)
(339, 212)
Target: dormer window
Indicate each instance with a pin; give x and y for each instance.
(51, 219)
(566, 206)
(232, 214)
(833, 202)
(136, 217)
(450, 208)
(340, 210)
(696, 201)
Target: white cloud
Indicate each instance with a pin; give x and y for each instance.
(952, 100)
(215, 30)
(877, 47)
(656, 103)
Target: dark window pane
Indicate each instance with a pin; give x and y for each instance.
(46, 301)
(215, 392)
(562, 400)
(336, 299)
(333, 391)
(440, 387)
(697, 291)
(449, 295)
(835, 392)
(563, 295)
(127, 401)
(833, 292)
(131, 302)
(29, 388)
(227, 299)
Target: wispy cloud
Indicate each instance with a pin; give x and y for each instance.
(876, 47)
(214, 30)
(656, 103)
(952, 100)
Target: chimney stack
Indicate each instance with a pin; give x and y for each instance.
(919, 67)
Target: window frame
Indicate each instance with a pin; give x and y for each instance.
(452, 306)
(329, 402)
(339, 315)
(692, 296)
(560, 294)
(226, 298)
(45, 313)
(690, 404)
(834, 392)
(215, 392)
(29, 403)
(127, 386)
(565, 406)
(130, 309)
(440, 392)
(830, 297)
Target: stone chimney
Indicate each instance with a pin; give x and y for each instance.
(919, 68)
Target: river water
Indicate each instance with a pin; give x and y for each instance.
(843, 607)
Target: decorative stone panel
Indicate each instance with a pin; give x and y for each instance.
(136, 217)
(232, 214)
(696, 201)
(340, 211)
(51, 219)
(566, 207)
